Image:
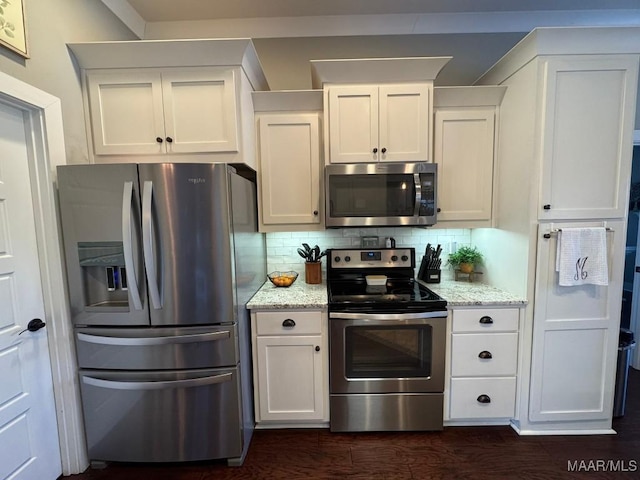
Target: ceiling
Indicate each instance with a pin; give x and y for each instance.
(183, 10)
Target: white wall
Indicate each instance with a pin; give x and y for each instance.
(51, 24)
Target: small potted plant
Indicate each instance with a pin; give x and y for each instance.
(312, 264)
(465, 259)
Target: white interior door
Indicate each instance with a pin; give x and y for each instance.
(29, 447)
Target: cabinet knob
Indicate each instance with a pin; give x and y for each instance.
(288, 323)
(169, 140)
(485, 355)
(547, 207)
(484, 398)
(486, 320)
(159, 139)
(438, 209)
(375, 150)
(315, 213)
(384, 150)
(317, 348)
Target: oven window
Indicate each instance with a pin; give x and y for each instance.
(372, 195)
(388, 352)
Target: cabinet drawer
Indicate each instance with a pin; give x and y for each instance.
(485, 320)
(468, 394)
(276, 323)
(480, 354)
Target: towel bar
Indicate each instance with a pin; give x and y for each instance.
(556, 230)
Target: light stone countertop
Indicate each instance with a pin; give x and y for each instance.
(301, 295)
(463, 293)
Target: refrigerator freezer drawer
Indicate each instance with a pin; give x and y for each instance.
(157, 348)
(170, 416)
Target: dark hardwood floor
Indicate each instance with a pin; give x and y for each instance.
(455, 453)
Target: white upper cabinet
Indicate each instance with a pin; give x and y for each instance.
(463, 150)
(290, 160)
(466, 121)
(588, 116)
(289, 168)
(377, 109)
(158, 111)
(386, 123)
(170, 100)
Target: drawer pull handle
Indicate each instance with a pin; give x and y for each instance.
(289, 323)
(484, 398)
(486, 320)
(485, 355)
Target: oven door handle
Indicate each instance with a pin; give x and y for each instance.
(387, 316)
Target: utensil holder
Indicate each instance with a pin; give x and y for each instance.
(313, 272)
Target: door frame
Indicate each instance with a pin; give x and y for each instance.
(45, 146)
(634, 324)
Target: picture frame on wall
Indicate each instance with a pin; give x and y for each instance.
(13, 32)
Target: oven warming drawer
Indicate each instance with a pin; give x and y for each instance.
(386, 412)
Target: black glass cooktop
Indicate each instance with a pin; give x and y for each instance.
(396, 293)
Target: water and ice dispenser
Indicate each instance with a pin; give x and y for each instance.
(104, 276)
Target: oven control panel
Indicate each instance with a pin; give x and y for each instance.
(375, 257)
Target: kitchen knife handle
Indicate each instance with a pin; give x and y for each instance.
(147, 245)
(127, 245)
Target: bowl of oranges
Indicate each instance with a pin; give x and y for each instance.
(283, 279)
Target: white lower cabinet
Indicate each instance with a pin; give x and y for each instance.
(483, 364)
(290, 367)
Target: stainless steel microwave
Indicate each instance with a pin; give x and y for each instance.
(380, 194)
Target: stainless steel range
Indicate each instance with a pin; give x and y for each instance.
(387, 343)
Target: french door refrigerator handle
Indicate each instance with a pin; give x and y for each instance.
(150, 341)
(159, 385)
(127, 245)
(147, 245)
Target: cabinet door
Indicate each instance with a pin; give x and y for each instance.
(353, 124)
(290, 378)
(587, 131)
(575, 336)
(126, 112)
(200, 110)
(404, 125)
(464, 151)
(289, 169)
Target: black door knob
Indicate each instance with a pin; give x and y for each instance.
(375, 150)
(384, 150)
(169, 139)
(546, 207)
(159, 139)
(317, 348)
(34, 325)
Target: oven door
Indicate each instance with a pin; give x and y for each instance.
(387, 353)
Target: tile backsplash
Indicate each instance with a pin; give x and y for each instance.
(282, 247)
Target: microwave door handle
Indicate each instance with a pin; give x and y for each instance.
(127, 245)
(418, 187)
(147, 245)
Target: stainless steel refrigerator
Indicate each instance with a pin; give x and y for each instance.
(161, 261)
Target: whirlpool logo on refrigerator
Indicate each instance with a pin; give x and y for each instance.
(197, 180)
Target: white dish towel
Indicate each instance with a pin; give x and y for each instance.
(582, 256)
